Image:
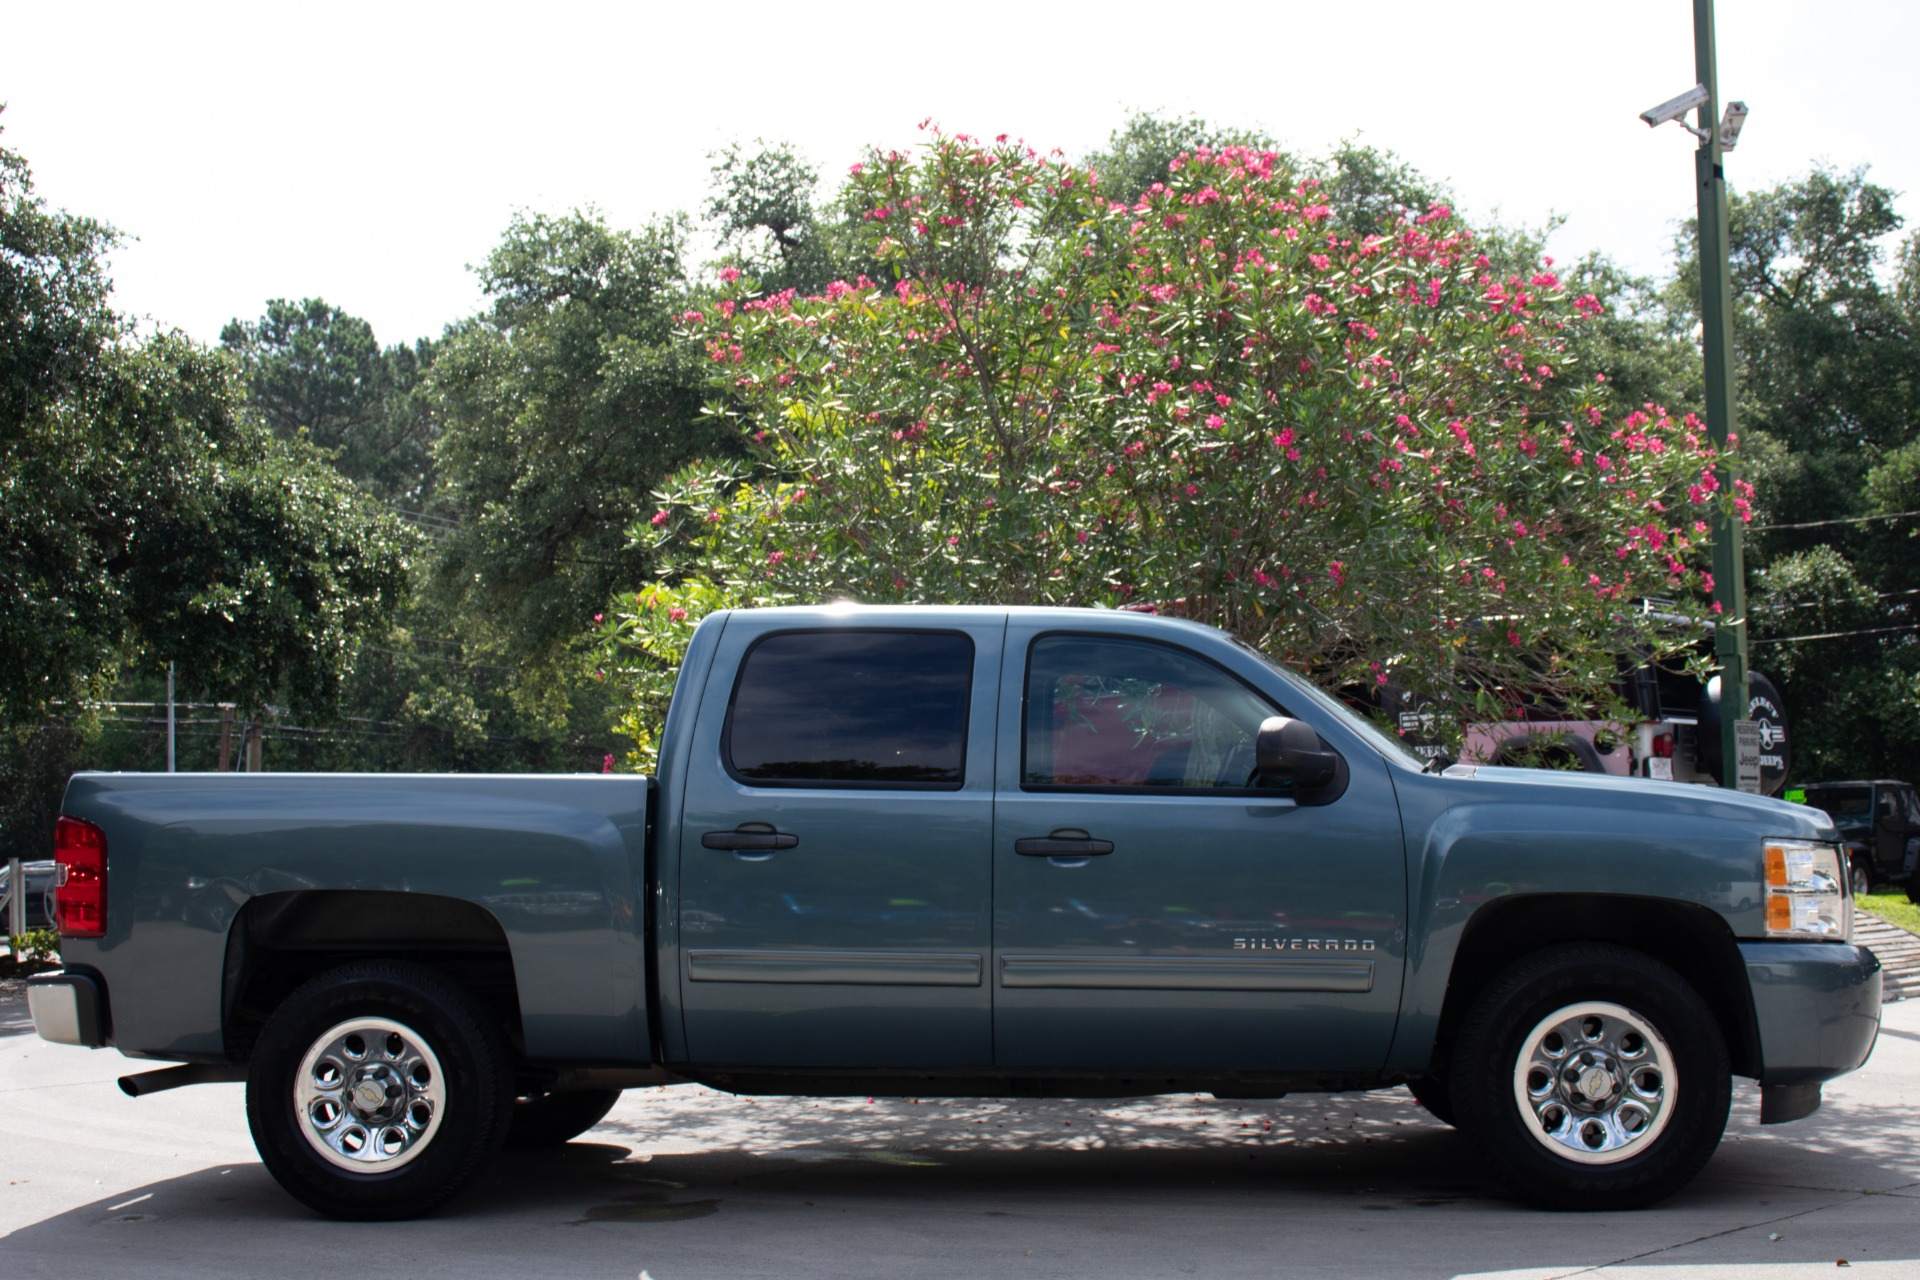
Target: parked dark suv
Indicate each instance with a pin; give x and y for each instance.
(1880, 822)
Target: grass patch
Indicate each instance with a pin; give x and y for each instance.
(1893, 908)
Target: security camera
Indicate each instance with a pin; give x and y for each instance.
(1730, 124)
(1674, 108)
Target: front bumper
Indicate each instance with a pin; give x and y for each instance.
(1816, 1007)
(68, 1008)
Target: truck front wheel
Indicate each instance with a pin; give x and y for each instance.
(1593, 1077)
(377, 1090)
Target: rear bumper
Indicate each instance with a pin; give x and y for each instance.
(68, 1008)
(1816, 1006)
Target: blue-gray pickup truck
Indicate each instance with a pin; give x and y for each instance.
(963, 851)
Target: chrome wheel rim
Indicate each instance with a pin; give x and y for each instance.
(369, 1095)
(1595, 1083)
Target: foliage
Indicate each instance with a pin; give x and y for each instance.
(762, 204)
(1367, 455)
(562, 408)
(1143, 151)
(35, 763)
(144, 519)
(312, 369)
(30, 952)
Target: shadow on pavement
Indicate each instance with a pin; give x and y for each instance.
(684, 1182)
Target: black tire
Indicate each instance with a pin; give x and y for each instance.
(1860, 875)
(550, 1119)
(1623, 1069)
(378, 1090)
(1435, 1094)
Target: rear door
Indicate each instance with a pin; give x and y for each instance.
(835, 868)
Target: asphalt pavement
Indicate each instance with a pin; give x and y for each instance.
(683, 1183)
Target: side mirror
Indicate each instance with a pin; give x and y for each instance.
(1290, 750)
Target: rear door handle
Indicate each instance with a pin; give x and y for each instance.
(1067, 842)
(749, 837)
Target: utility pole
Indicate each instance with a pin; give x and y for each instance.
(1716, 335)
(170, 717)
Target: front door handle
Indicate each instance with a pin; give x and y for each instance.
(758, 837)
(1067, 842)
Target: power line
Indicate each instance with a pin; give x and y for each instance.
(1821, 524)
(1838, 635)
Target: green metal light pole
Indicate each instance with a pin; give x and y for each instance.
(1716, 311)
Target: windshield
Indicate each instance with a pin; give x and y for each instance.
(1346, 715)
(1843, 804)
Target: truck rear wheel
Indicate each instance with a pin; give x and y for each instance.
(377, 1090)
(550, 1119)
(1593, 1077)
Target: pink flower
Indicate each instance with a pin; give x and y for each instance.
(775, 557)
(1338, 572)
(597, 617)
(729, 274)
(606, 764)
(1215, 421)
(659, 517)
(676, 614)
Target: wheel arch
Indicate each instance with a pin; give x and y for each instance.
(280, 940)
(1691, 939)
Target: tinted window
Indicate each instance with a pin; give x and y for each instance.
(852, 708)
(1843, 804)
(1126, 713)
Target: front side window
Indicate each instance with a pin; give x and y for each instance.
(1114, 713)
(852, 709)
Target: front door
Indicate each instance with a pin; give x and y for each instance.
(1157, 910)
(834, 859)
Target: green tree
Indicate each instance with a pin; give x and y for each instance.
(563, 407)
(143, 517)
(1828, 355)
(1142, 151)
(314, 370)
(762, 204)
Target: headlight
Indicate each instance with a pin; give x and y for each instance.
(1806, 892)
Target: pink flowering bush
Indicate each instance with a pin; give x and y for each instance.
(1368, 457)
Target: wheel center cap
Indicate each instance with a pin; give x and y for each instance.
(1596, 1082)
(369, 1095)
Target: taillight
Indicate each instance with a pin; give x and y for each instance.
(80, 883)
(1663, 746)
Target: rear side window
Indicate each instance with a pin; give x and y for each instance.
(852, 709)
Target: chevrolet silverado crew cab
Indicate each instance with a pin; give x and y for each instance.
(963, 852)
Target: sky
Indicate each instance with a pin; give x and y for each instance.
(370, 154)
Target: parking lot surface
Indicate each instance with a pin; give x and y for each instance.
(683, 1183)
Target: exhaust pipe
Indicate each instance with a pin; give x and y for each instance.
(187, 1073)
